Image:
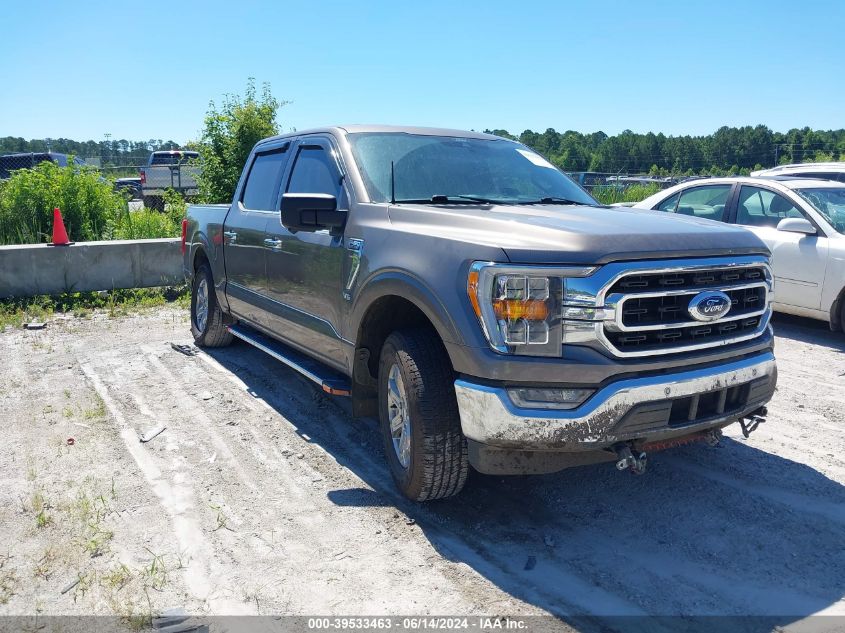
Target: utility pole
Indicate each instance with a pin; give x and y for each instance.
(107, 138)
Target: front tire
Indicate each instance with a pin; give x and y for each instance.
(420, 424)
(207, 324)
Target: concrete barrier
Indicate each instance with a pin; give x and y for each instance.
(39, 269)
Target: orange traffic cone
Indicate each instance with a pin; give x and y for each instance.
(59, 234)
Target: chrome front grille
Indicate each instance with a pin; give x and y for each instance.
(642, 308)
(660, 340)
(693, 279)
(660, 310)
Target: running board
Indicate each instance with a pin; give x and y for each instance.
(330, 381)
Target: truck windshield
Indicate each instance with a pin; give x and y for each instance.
(830, 202)
(461, 170)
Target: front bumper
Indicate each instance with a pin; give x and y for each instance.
(652, 408)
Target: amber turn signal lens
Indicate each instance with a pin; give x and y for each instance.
(512, 310)
(472, 291)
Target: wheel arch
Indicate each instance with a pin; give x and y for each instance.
(393, 301)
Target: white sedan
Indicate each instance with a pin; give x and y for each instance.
(801, 220)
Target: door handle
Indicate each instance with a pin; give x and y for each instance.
(231, 236)
(273, 244)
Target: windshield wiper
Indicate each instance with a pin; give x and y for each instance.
(441, 199)
(481, 200)
(554, 200)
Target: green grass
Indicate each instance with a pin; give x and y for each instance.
(610, 194)
(16, 312)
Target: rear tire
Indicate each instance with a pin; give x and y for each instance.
(425, 448)
(842, 313)
(207, 324)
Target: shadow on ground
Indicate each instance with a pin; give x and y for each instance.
(807, 331)
(706, 532)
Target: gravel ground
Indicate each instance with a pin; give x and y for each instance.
(264, 496)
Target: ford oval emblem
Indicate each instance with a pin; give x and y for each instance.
(709, 306)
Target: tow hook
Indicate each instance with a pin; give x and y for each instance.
(626, 460)
(713, 437)
(750, 423)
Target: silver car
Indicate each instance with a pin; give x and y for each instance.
(801, 220)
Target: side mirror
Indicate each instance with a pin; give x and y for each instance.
(311, 212)
(797, 225)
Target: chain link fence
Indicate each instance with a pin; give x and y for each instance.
(124, 170)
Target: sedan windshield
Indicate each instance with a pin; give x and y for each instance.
(441, 169)
(830, 202)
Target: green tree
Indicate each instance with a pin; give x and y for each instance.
(229, 134)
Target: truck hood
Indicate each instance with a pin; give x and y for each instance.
(557, 234)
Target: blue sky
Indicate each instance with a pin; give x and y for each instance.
(147, 69)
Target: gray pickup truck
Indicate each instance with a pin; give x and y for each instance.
(481, 304)
(169, 169)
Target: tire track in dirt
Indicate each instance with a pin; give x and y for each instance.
(176, 498)
(317, 529)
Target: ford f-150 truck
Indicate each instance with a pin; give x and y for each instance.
(482, 304)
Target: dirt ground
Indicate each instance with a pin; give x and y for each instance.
(264, 496)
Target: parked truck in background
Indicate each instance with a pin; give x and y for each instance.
(481, 304)
(169, 169)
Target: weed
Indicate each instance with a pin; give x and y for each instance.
(180, 562)
(98, 411)
(42, 520)
(86, 581)
(39, 506)
(15, 312)
(97, 543)
(8, 584)
(41, 346)
(67, 412)
(117, 577)
(90, 514)
(611, 194)
(155, 574)
(67, 393)
(137, 617)
(43, 567)
(222, 521)
(89, 204)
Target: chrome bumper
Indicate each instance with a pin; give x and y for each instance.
(490, 417)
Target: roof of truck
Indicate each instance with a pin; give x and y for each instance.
(374, 128)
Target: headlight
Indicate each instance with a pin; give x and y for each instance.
(519, 307)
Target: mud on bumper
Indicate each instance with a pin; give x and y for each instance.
(647, 409)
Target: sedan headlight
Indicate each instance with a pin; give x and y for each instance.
(519, 307)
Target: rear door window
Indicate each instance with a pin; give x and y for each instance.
(701, 202)
(262, 184)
